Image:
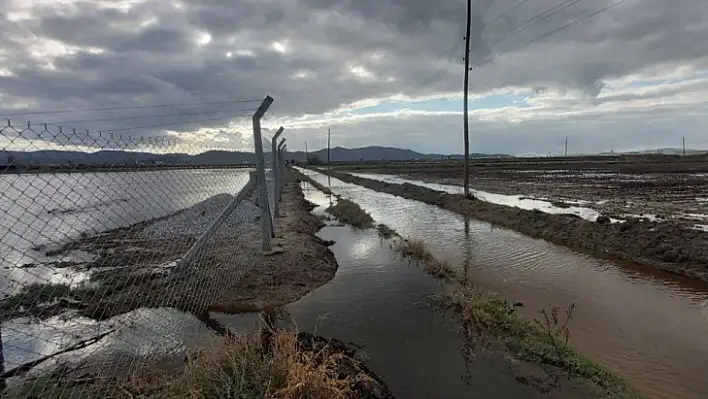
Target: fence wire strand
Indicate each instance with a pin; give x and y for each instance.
(94, 228)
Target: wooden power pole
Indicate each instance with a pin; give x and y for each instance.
(684, 145)
(329, 136)
(566, 146)
(307, 154)
(465, 98)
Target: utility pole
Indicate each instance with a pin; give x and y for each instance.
(684, 145)
(307, 154)
(466, 83)
(566, 146)
(329, 138)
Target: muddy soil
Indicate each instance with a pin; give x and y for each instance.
(654, 187)
(305, 264)
(138, 266)
(668, 245)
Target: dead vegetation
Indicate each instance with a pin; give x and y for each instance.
(283, 365)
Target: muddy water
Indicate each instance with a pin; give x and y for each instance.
(382, 303)
(646, 326)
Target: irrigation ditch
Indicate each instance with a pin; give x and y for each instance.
(490, 323)
(666, 246)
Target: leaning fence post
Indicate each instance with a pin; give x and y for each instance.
(276, 171)
(266, 223)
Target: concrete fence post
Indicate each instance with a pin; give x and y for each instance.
(267, 229)
(281, 155)
(277, 171)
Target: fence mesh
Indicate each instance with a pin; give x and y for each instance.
(94, 229)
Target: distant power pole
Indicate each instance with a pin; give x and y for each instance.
(329, 137)
(684, 145)
(566, 146)
(466, 83)
(307, 154)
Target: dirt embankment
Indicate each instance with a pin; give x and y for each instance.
(305, 264)
(666, 246)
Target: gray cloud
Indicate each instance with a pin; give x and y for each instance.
(149, 52)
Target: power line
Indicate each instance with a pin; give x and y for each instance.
(144, 116)
(588, 16)
(519, 4)
(66, 111)
(569, 24)
(538, 18)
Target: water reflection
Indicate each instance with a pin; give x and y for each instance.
(642, 323)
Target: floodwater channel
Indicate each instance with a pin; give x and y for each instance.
(382, 303)
(647, 326)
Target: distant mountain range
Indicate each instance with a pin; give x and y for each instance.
(339, 154)
(51, 157)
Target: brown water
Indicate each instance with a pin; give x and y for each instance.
(382, 303)
(647, 326)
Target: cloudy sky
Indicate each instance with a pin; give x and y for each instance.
(375, 72)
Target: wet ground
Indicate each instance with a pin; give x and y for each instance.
(658, 188)
(644, 325)
(384, 304)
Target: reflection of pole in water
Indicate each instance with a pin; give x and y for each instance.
(468, 250)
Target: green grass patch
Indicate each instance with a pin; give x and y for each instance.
(416, 250)
(351, 213)
(542, 341)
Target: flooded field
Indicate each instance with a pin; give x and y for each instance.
(42, 212)
(657, 188)
(383, 303)
(644, 325)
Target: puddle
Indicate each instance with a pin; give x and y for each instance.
(518, 201)
(47, 210)
(380, 302)
(141, 334)
(643, 324)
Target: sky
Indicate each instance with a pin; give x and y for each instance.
(374, 72)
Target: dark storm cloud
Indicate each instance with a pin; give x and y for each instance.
(148, 53)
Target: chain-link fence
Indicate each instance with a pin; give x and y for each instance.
(112, 249)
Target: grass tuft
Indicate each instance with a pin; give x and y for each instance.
(244, 367)
(542, 341)
(350, 213)
(416, 250)
(385, 231)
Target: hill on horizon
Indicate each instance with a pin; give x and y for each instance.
(117, 157)
(377, 153)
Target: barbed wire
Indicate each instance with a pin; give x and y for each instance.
(59, 123)
(130, 107)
